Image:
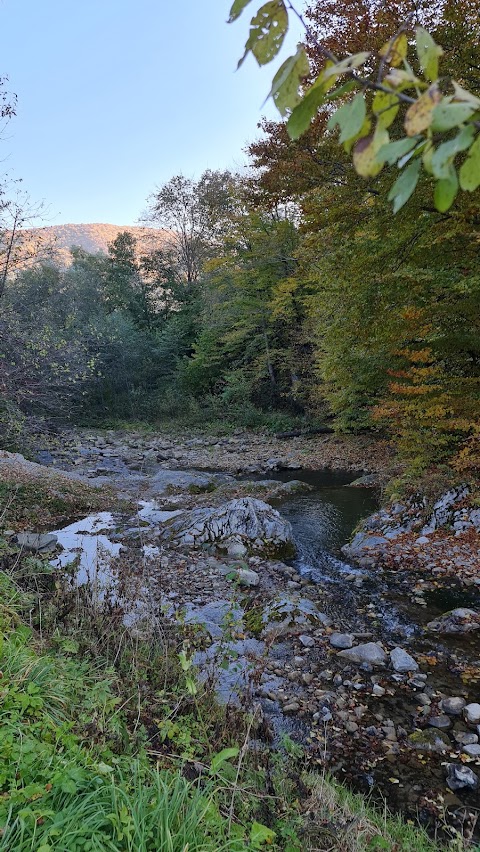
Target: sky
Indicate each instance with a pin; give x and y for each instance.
(117, 96)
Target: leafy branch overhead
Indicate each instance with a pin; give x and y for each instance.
(395, 108)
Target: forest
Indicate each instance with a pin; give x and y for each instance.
(240, 472)
(289, 295)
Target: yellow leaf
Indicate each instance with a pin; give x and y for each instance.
(366, 150)
(419, 115)
(395, 50)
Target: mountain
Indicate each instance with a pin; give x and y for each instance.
(56, 240)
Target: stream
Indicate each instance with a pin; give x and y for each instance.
(360, 731)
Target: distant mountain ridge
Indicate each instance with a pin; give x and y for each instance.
(92, 237)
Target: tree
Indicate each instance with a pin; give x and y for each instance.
(195, 213)
(395, 108)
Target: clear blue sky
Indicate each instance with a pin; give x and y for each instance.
(116, 96)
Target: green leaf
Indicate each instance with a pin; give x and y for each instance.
(347, 87)
(287, 81)
(222, 757)
(464, 96)
(268, 29)
(470, 170)
(237, 9)
(443, 157)
(349, 118)
(385, 106)
(365, 159)
(446, 191)
(191, 685)
(260, 834)
(303, 113)
(447, 115)
(395, 150)
(428, 53)
(405, 185)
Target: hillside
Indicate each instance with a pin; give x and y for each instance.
(93, 237)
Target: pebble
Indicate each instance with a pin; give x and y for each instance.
(341, 640)
(402, 662)
(306, 641)
(369, 653)
(465, 738)
(473, 750)
(351, 727)
(424, 699)
(378, 691)
(292, 707)
(443, 722)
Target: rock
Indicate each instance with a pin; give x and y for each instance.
(465, 738)
(455, 621)
(369, 653)
(424, 699)
(443, 509)
(472, 714)
(443, 722)
(36, 541)
(236, 548)
(378, 690)
(306, 641)
(291, 707)
(256, 524)
(370, 480)
(403, 662)
(351, 727)
(246, 577)
(164, 481)
(453, 706)
(472, 749)
(459, 776)
(430, 740)
(341, 640)
(286, 489)
(362, 543)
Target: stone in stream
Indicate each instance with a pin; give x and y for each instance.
(459, 776)
(453, 706)
(341, 640)
(403, 662)
(370, 653)
(456, 621)
(472, 714)
(259, 527)
(430, 740)
(36, 541)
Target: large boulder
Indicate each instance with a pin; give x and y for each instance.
(251, 522)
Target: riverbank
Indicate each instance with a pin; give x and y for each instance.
(268, 631)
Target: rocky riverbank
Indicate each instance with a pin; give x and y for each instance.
(341, 657)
